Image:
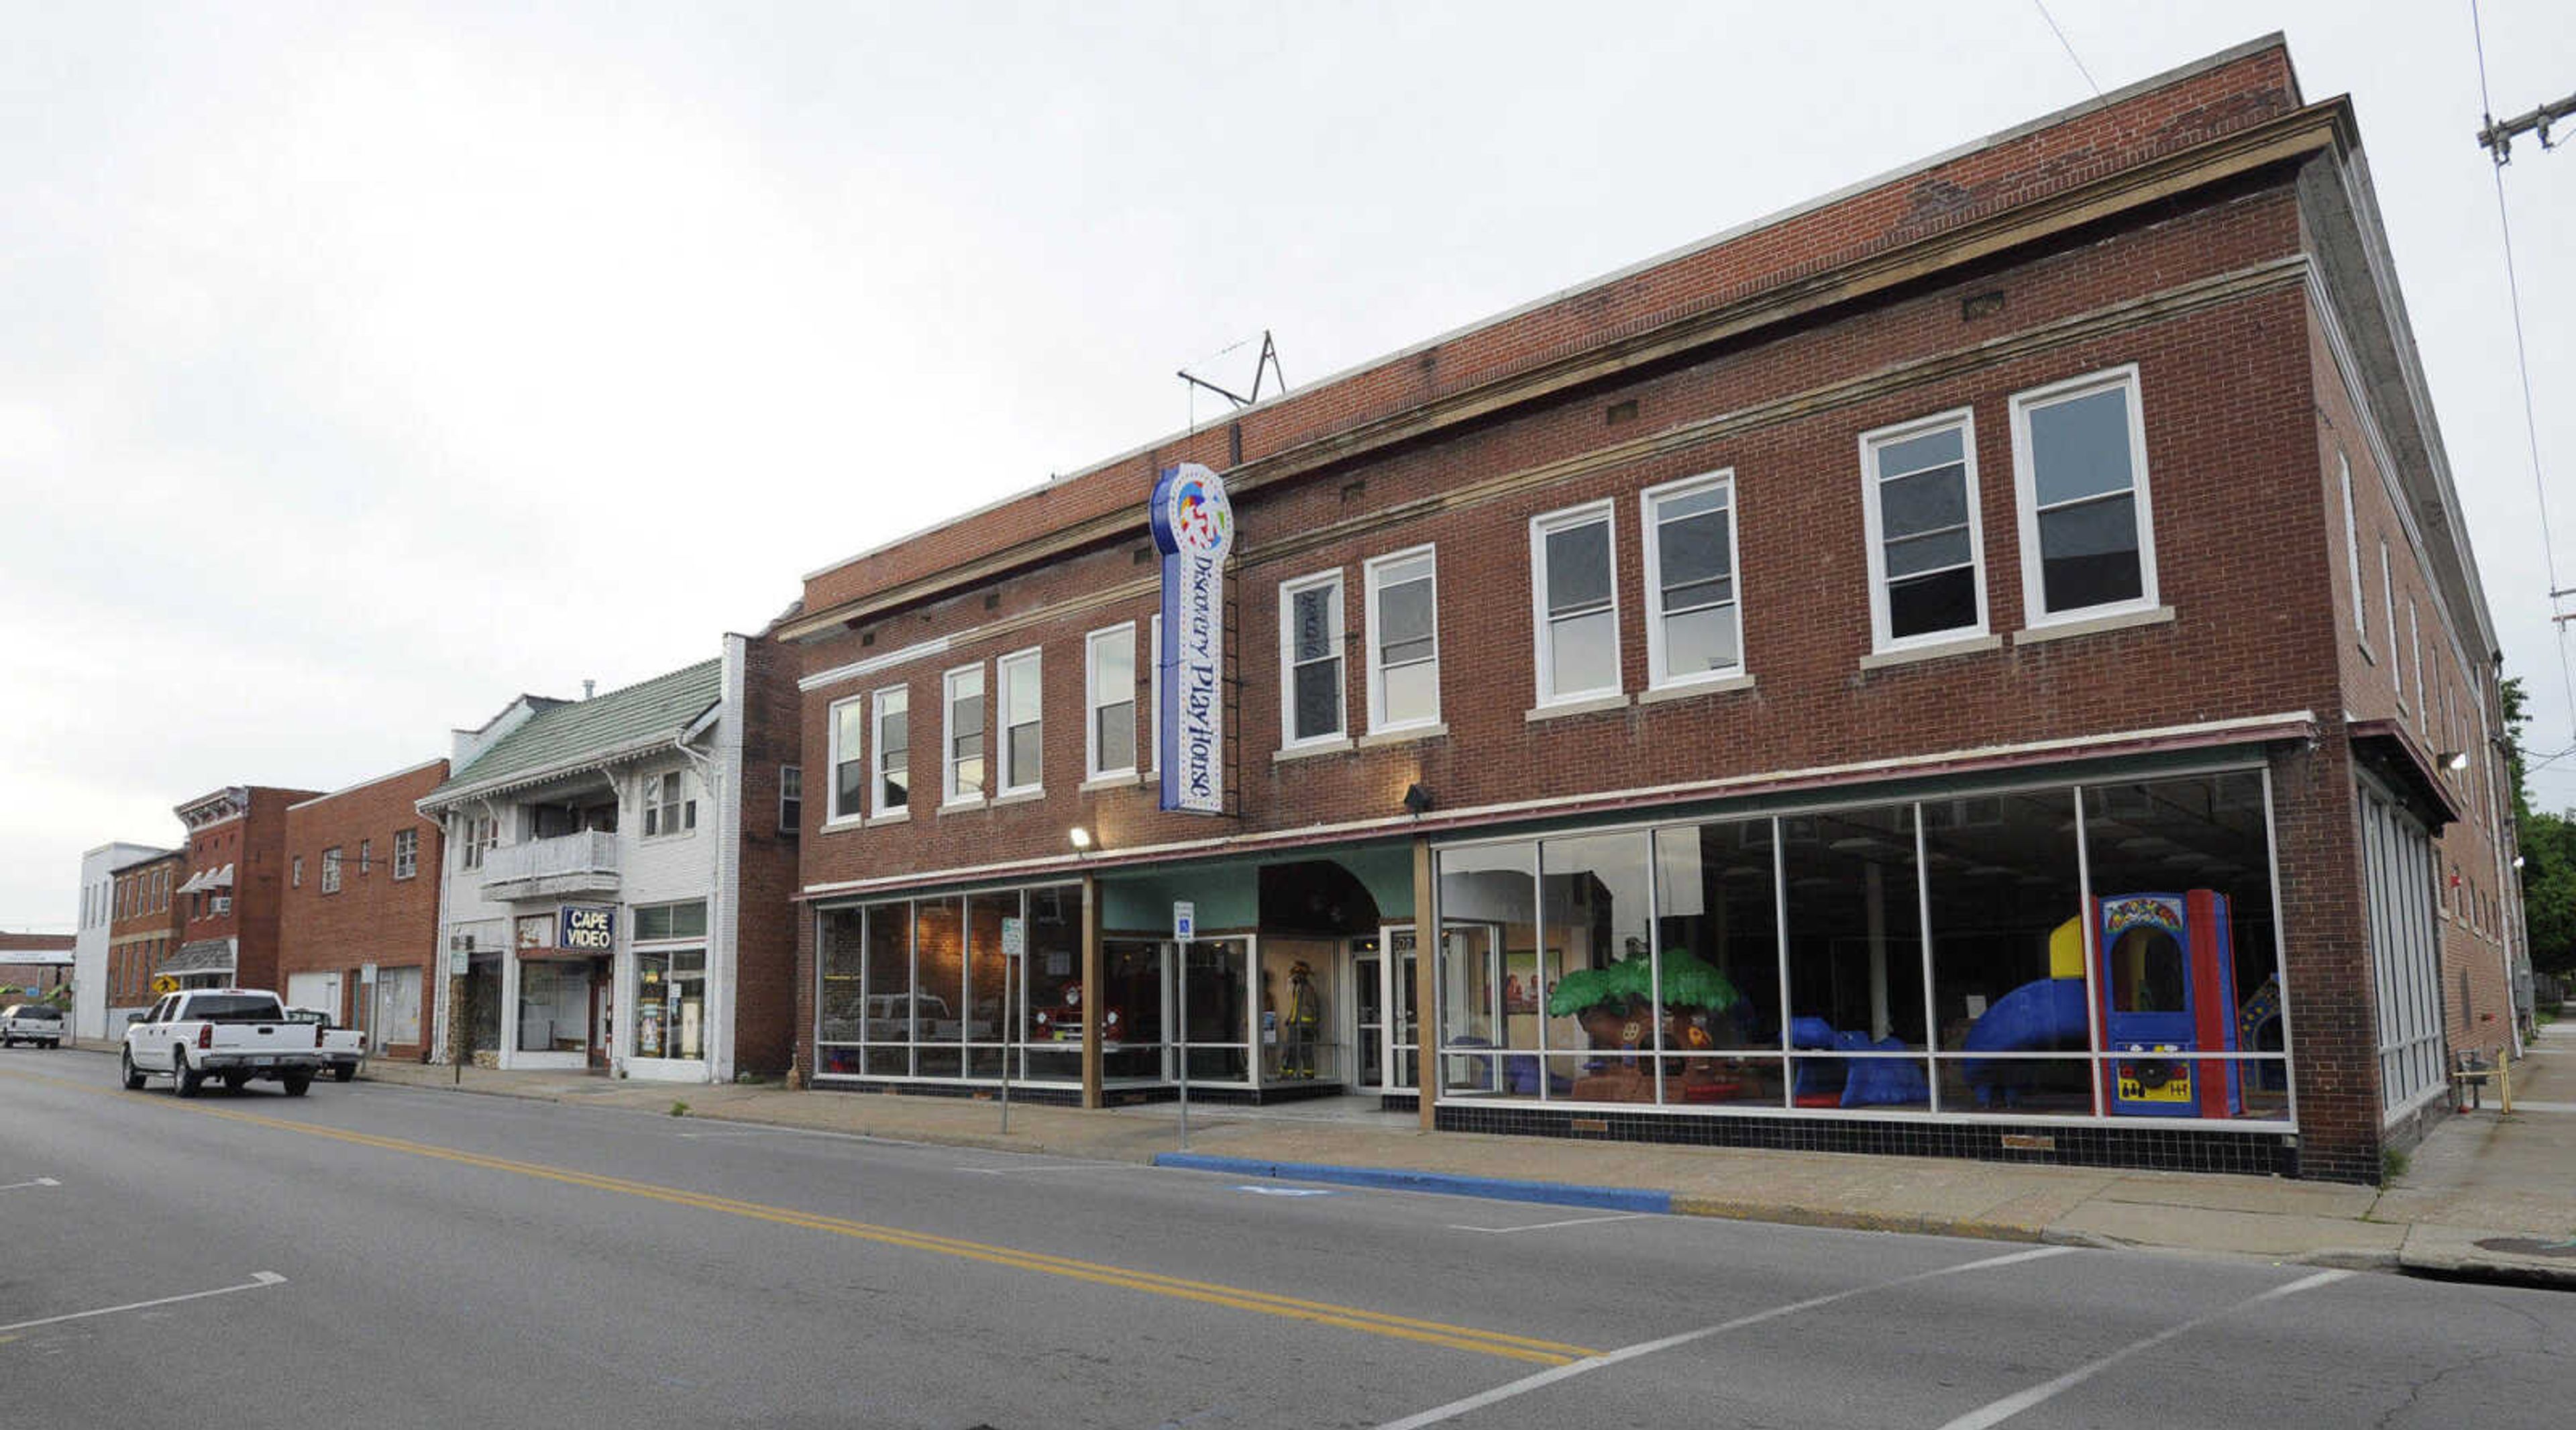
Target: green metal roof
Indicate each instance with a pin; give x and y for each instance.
(657, 709)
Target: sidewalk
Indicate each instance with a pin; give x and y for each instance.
(2486, 1197)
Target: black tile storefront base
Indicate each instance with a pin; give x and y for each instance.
(1050, 1094)
(2153, 1148)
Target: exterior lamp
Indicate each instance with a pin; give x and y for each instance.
(2455, 760)
(1417, 800)
(1081, 838)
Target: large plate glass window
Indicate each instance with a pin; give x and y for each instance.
(1023, 730)
(1926, 556)
(964, 765)
(1694, 612)
(1404, 641)
(2080, 473)
(1310, 659)
(894, 750)
(1576, 607)
(1109, 695)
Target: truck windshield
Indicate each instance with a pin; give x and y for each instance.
(236, 1010)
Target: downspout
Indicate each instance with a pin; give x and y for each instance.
(721, 1017)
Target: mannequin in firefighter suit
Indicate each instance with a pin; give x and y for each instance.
(1305, 1020)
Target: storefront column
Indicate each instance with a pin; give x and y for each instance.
(1091, 982)
(1426, 979)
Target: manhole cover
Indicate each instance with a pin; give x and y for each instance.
(2528, 1246)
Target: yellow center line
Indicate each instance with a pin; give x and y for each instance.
(1467, 1338)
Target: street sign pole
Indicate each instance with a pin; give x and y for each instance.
(1185, 917)
(1015, 947)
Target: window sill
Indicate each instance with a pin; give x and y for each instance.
(847, 821)
(1683, 691)
(1404, 736)
(2094, 625)
(1115, 779)
(1588, 705)
(1019, 796)
(1341, 746)
(961, 806)
(899, 816)
(1940, 650)
(2364, 648)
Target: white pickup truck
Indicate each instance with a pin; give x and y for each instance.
(231, 1034)
(344, 1050)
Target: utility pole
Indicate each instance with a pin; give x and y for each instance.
(2497, 136)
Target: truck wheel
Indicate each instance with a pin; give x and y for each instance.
(297, 1083)
(184, 1080)
(133, 1074)
(344, 1072)
(236, 1081)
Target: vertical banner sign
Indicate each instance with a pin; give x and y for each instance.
(1194, 529)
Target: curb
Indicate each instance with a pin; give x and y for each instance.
(1501, 1189)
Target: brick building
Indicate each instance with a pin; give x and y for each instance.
(41, 962)
(147, 922)
(619, 877)
(1985, 662)
(228, 906)
(358, 931)
(90, 944)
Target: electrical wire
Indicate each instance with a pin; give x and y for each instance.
(2068, 46)
(2522, 361)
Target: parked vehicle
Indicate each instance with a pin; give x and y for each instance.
(237, 1035)
(344, 1050)
(31, 1023)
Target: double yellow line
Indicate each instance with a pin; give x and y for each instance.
(1322, 1313)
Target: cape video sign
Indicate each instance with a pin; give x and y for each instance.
(1194, 528)
(590, 930)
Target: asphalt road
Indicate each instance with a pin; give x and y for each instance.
(382, 1256)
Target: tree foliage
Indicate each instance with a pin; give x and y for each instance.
(2548, 847)
(1689, 982)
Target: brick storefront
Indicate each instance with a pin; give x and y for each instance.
(362, 894)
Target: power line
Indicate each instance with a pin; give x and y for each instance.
(2522, 362)
(2068, 46)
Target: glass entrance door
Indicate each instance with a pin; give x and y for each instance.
(1404, 1035)
(1368, 1011)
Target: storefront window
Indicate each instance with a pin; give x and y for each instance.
(987, 1021)
(1718, 922)
(398, 1006)
(840, 1000)
(1597, 964)
(916, 988)
(1132, 995)
(1855, 958)
(2007, 937)
(1217, 1005)
(939, 987)
(483, 1003)
(670, 1003)
(1054, 964)
(554, 1006)
(887, 958)
(1491, 991)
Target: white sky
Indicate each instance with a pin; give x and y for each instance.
(362, 366)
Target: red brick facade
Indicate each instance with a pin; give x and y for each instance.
(146, 920)
(765, 937)
(381, 907)
(243, 829)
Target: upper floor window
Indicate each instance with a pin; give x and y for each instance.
(964, 766)
(1154, 692)
(1404, 641)
(2388, 608)
(366, 855)
(894, 750)
(791, 798)
(331, 870)
(1023, 711)
(668, 806)
(1576, 604)
(2352, 555)
(2415, 648)
(482, 833)
(1310, 659)
(295, 872)
(1694, 613)
(1109, 698)
(849, 769)
(406, 853)
(2080, 474)
(1927, 567)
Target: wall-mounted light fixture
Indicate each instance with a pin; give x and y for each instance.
(1417, 801)
(1080, 838)
(2455, 760)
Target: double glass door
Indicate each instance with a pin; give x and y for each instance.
(1382, 985)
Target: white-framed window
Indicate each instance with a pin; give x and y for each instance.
(1022, 703)
(893, 720)
(1574, 603)
(1403, 640)
(2088, 543)
(366, 856)
(1694, 607)
(295, 872)
(962, 766)
(406, 853)
(849, 768)
(331, 870)
(482, 835)
(2388, 608)
(791, 799)
(1311, 705)
(2415, 645)
(1927, 550)
(669, 808)
(1109, 702)
(1154, 693)
(2352, 554)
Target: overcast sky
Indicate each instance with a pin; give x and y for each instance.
(364, 365)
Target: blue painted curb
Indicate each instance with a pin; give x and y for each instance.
(1501, 1189)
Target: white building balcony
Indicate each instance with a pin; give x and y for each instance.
(582, 865)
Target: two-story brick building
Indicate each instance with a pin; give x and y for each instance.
(618, 877)
(1987, 661)
(359, 929)
(228, 905)
(146, 923)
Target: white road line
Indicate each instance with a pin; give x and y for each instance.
(1015, 1171)
(1550, 1225)
(1545, 1378)
(258, 1279)
(39, 1182)
(2012, 1405)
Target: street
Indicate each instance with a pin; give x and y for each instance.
(391, 1256)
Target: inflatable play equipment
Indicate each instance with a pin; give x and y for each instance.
(1853, 1082)
(2044, 1015)
(2168, 985)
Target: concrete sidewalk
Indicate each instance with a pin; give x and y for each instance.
(2486, 1197)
